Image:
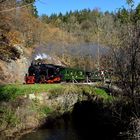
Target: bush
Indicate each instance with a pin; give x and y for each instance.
(8, 116)
(8, 52)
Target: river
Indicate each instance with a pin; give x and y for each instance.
(63, 134)
(52, 134)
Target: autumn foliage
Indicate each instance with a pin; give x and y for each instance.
(20, 26)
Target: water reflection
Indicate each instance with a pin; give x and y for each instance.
(64, 134)
(52, 134)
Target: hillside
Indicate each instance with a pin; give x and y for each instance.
(20, 32)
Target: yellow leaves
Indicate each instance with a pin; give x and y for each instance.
(21, 27)
(54, 34)
(14, 37)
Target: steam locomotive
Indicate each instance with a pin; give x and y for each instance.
(49, 73)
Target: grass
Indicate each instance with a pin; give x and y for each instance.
(41, 109)
(102, 93)
(10, 92)
(97, 92)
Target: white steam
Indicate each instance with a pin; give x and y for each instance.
(42, 56)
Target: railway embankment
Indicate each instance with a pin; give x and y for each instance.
(24, 108)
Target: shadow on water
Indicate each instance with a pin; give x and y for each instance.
(88, 121)
(93, 121)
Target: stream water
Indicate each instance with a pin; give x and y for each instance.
(65, 134)
(52, 134)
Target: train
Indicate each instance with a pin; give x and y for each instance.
(50, 73)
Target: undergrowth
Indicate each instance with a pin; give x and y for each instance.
(8, 117)
(10, 92)
(41, 109)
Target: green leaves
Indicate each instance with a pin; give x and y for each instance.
(130, 2)
(33, 7)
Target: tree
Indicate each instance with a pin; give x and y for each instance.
(44, 18)
(136, 15)
(32, 7)
(127, 59)
(123, 16)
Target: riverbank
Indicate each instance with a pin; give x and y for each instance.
(24, 108)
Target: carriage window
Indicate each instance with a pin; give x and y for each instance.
(81, 72)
